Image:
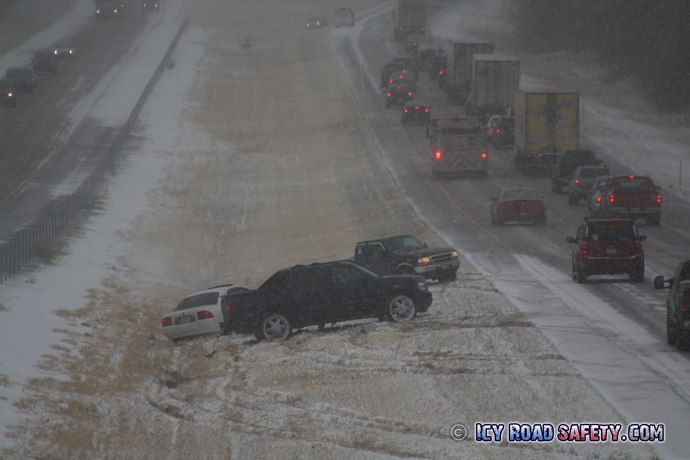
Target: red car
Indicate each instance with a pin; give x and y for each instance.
(606, 247)
(518, 205)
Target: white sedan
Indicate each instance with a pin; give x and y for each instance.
(197, 314)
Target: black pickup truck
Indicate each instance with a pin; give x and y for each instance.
(320, 293)
(677, 305)
(405, 254)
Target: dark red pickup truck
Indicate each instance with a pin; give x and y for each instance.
(631, 197)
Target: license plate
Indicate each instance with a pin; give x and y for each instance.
(184, 320)
(611, 251)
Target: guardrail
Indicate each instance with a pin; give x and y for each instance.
(52, 221)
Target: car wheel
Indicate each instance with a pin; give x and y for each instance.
(406, 271)
(400, 308)
(274, 326)
(671, 330)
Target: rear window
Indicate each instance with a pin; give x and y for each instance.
(610, 231)
(520, 195)
(199, 300)
(591, 173)
(633, 184)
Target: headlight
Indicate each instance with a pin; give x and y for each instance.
(54, 51)
(10, 94)
(424, 261)
(454, 255)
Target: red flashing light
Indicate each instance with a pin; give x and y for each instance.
(204, 314)
(167, 321)
(484, 155)
(438, 154)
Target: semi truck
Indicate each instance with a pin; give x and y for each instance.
(458, 147)
(409, 18)
(458, 75)
(546, 124)
(494, 81)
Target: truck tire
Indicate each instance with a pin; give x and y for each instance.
(273, 326)
(400, 308)
(405, 270)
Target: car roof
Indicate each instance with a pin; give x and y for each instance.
(385, 238)
(219, 289)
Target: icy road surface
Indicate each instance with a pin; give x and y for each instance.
(251, 160)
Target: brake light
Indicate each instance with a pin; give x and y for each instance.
(409, 93)
(612, 198)
(405, 110)
(577, 181)
(658, 198)
(631, 177)
(583, 249)
(416, 107)
(388, 94)
(499, 131)
(484, 155)
(438, 154)
(229, 307)
(204, 314)
(404, 71)
(426, 110)
(598, 198)
(441, 72)
(167, 321)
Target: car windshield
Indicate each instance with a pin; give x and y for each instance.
(199, 300)
(633, 184)
(404, 243)
(611, 231)
(520, 195)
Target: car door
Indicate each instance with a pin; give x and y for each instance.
(309, 296)
(354, 292)
(373, 257)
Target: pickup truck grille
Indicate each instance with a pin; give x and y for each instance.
(441, 258)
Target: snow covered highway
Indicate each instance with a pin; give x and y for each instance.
(249, 159)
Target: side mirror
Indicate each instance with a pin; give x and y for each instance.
(659, 282)
(642, 238)
(571, 239)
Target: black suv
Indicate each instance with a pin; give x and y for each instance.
(566, 164)
(321, 293)
(23, 79)
(607, 246)
(677, 305)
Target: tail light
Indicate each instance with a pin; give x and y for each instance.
(612, 198)
(409, 93)
(499, 131)
(658, 198)
(167, 321)
(229, 307)
(437, 155)
(388, 94)
(405, 110)
(204, 314)
(441, 72)
(426, 110)
(484, 155)
(416, 107)
(599, 198)
(577, 181)
(638, 248)
(583, 249)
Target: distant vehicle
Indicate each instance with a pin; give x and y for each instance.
(413, 42)
(345, 17)
(409, 18)
(677, 305)
(319, 294)
(150, 5)
(43, 62)
(106, 8)
(198, 314)
(606, 247)
(410, 65)
(64, 50)
(493, 82)
(582, 180)
(405, 254)
(8, 94)
(518, 206)
(416, 112)
(633, 197)
(458, 71)
(458, 148)
(403, 78)
(398, 94)
(546, 124)
(317, 22)
(388, 70)
(565, 165)
(22, 78)
(437, 70)
(596, 195)
(500, 130)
